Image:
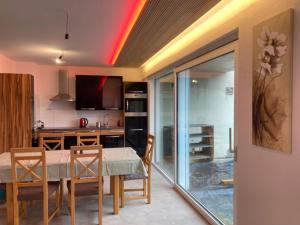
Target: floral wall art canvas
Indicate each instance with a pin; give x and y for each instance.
(272, 82)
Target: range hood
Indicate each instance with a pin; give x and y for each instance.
(63, 88)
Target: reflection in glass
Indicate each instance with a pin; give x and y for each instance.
(164, 124)
(205, 116)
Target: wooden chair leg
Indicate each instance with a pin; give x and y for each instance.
(69, 202)
(100, 202)
(122, 194)
(144, 187)
(111, 185)
(16, 211)
(9, 204)
(24, 209)
(45, 209)
(149, 190)
(72, 204)
(58, 202)
(61, 191)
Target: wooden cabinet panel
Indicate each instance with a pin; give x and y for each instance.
(16, 110)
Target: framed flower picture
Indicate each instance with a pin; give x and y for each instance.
(272, 82)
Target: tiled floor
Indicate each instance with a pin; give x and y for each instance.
(205, 178)
(206, 187)
(167, 208)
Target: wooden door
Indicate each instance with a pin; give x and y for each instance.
(16, 111)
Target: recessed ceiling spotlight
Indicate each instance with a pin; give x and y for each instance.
(59, 59)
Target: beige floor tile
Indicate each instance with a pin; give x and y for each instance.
(167, 208)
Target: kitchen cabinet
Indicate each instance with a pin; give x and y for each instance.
(136, 130)
(99, 92)
(16, 111)
(112, 141)
(112, 95)
(109, 137)
(136, 87)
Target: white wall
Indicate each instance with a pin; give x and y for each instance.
(7, 65)
(209, 104)
(63, 114)
(267, 182)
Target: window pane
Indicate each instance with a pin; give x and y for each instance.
(205, 113)
(164, 124)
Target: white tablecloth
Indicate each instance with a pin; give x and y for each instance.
(116, 161)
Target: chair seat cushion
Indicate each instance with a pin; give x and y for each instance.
(36, 193)
(134, 176)
(84, 189)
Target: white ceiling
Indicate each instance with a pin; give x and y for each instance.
(33, 30)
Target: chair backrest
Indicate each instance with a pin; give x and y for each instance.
(86, 164)
(51, 141)
(147, 159)
(88, 138)
(28, 167)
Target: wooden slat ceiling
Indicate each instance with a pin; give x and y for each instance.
(160, 22)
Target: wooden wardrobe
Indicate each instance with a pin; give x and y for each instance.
(16, 110)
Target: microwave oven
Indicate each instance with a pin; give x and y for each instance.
(136, 105)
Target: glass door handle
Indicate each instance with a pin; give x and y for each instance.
(231, 150)
(235, 154)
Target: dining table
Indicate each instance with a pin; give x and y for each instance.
(115, 162)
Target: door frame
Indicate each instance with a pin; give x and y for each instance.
(231, 47)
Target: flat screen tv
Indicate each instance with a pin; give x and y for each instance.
(99, 92)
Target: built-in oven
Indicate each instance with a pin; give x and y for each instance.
(136, 104)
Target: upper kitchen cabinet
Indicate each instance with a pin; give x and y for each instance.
(16, 111)
(135, 87)
(112, 96)
(99, 92)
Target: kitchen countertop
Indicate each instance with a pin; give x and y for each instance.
(70, 130)
(79, 128)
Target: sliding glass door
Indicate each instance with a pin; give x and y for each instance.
(164, 124)
(205, 126)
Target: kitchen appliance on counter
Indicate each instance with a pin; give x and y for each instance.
(83, 122)
(39, 124)
(136, 117)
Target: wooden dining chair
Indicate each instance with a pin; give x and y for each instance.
(30, 182)
(88, 138)
(146, 189)
(86, 176)
(51, 141)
